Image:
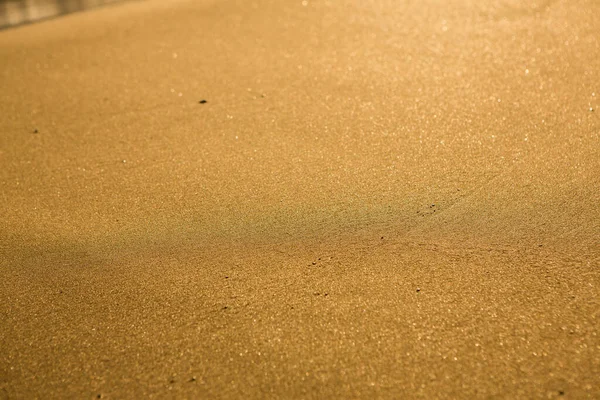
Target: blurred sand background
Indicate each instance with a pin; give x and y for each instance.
(379, 199)
(16, 12)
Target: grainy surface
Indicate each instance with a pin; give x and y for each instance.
(378, 199)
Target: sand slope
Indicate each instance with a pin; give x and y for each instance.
(384, 198)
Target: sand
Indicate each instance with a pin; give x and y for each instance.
(378, 199)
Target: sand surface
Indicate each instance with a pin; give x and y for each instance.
(379, 199)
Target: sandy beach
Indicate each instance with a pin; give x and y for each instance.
(302, 199)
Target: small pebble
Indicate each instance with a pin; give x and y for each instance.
(418, 289)
(203, 102)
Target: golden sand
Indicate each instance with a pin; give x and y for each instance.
(378, 199)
